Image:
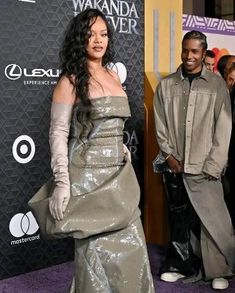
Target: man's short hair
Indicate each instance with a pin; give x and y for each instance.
(210, 54)
(197, 36)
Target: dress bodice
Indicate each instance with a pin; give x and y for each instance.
(99, 154)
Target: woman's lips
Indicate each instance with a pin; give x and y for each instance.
(98, 49)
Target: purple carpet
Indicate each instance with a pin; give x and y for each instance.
(57, 279)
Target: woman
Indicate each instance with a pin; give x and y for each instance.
(96, 194)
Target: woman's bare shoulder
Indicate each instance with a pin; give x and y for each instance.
(114, 75)
(64, 91)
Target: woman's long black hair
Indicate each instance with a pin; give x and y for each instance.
(73, 56)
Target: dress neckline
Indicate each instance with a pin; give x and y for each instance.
(108, 96)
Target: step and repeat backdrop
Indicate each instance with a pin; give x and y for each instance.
(220, 33)
(31, 32)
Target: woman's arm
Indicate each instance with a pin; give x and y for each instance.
(61, 113)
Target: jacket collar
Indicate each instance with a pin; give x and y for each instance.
(204, 75)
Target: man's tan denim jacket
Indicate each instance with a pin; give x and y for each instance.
(193, 123)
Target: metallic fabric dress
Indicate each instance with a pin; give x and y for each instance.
(103, 215)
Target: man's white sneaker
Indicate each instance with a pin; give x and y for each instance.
(220, 284)
(171, 277)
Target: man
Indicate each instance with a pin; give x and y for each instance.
(229, 175)
(226, 69)
(209, 60)
(193, 126)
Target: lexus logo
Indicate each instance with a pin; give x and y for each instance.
(13, 71)
(23, 224)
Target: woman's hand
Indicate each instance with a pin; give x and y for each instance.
(58, 202)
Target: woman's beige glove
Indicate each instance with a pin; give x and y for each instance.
(61, 114)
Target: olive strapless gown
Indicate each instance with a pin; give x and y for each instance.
(112, 256)
(103, 215)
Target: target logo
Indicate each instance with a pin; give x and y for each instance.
(120, 69)
(23, 224)
(23, 149)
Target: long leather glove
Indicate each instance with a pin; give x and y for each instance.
(61, 114)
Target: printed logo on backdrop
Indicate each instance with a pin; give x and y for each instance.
(209, 25)
(32, 76)
(23, 225)
(28, 1)
(130, 139)
(14, 72)
(122, 15)
(23, 149)
(121, 70)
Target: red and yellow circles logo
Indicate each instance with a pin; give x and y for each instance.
(218, 54)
